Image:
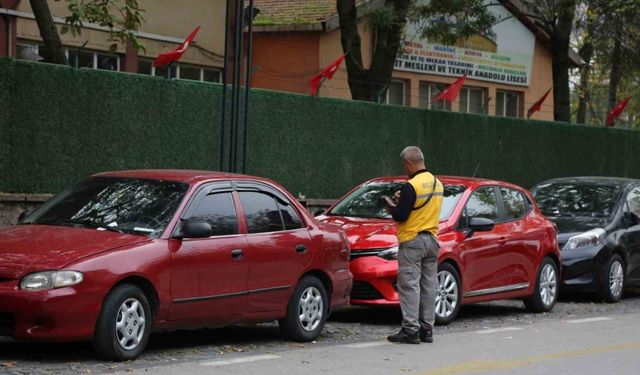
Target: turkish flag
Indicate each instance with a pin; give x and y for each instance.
(616, 111)
(537, 105)
(326, 73)
(175, 55)
(451, 92)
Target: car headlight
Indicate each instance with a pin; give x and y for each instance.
(593, 237)
(51, 280)
(389, 254)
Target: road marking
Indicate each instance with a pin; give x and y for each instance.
(365, 344)
(235, 361)
(486, 365)
(504, 329)
(587, 320)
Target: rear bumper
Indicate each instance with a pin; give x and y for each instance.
(374, 281)
(342, 283)
(56, 315)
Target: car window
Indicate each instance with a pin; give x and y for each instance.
(261, 212)
(218, 210)
(290, 217)
(633, 199)
(515, 205)
(584, 199)
(482, 203)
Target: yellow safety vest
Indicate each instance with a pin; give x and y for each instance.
(423, 217)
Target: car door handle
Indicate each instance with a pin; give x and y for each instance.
(237, 254)
(301, 248)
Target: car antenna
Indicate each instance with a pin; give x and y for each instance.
(476, 170)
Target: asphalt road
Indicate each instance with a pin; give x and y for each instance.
(177, 352)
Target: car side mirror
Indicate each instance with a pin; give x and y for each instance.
(479, 224)
(23, 215)
(631, 219)
(196, 229)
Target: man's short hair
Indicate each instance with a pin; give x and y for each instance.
(412, 154)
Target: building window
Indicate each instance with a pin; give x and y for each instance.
(27, 51)
(509, 103)
(107, 62)
(396, 93)
(190, 72)
(428, 91)
(180, 71)
(210, 75)
(473, 100)
(80, 58)
(145, 67)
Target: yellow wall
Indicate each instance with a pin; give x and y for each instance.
(166, 18)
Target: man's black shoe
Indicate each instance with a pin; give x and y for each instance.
(405, 337)
(426, 334)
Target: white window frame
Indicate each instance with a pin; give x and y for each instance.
(468, 92)
(431, 95)
(504, 102)
(404, 91)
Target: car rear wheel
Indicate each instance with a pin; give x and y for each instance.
(123, 328)
(545, 293)
(448, 294)
(612, 279)
(307, 311)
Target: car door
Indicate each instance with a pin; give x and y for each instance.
(279, 246)
(481, 253)
(209, 275)
(522, 239)
(631, 238)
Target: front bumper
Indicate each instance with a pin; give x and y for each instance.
(374, 281)
(581, 268)
(56, 315)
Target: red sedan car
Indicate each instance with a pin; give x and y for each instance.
(124, 253)
(495, 244)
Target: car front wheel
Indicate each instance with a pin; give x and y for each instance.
(123, 328)
(307, 311)
(612, 280)
(448, 294)
(545, 293)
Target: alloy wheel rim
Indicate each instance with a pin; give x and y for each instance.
(616, 278)
(447, 294)
(130, 324)
(548, 285)
(310, 309)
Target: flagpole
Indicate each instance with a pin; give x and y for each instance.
(224, 88)
(235, 107)
(247, 90)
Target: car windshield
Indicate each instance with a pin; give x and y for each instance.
(365, 201)
(576, 199)
(127, 205)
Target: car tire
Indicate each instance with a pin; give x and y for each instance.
(307, 311)
(448, 294)
(124, 324)
(545, 293)
(613, 279)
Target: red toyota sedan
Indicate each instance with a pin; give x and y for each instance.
(494, 244)
(123, 253)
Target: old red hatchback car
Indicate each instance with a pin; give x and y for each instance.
(495, 244)
(124, 253)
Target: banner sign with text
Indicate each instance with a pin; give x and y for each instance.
(504, 54)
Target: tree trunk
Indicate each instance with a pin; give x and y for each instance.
(54, 52)
(561, 62)
(370, 84)
(616, 71)
(586, 52)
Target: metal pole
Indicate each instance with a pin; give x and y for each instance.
(224, 87)
(247, 90)
(235, 110)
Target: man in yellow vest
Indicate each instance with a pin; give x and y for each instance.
(417, 213)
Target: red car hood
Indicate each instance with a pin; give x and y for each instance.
(366, 234)
(29, 248)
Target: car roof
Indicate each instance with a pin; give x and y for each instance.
(471, 182)
(594, 180)
(179, 175)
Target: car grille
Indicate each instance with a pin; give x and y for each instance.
(364, 291)
(7, 324)
(366, 253)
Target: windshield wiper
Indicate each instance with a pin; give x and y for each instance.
(90, 224)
